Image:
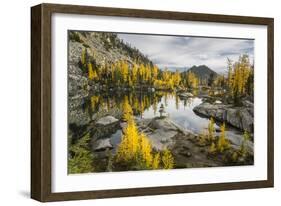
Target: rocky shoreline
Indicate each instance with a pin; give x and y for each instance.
(239, 117)
(185, 145)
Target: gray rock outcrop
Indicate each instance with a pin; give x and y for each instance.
(105, 126)
(77, 83)
(102, 145)
(160, 131)
(239, 117)
(105, 121)
(185, 95)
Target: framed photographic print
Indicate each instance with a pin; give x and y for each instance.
(132, 102)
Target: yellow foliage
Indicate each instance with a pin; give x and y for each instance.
(94, 101)
(142, 72)
(129, 146)
(234, 156)
(212, 148)
(155, 72)
(127, 111)
(156, 161)
(192, 80)
(135, 148)
(230, 73)
(223, 143)
(167, 159)
(124, 69)
(134, 74)
(243, 148)
(211, 129)
(145, 150)
(91, 73)
(121, 73)
(219, 81)
(83, 56)
(176, 78)
(238, 75)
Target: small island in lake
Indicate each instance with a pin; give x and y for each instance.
(139, 102)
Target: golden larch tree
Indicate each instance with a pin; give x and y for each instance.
(223, 143)
(127, 110)
(167, 159)
(156, 161)
(145, 150)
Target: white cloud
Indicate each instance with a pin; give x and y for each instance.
(176, 51)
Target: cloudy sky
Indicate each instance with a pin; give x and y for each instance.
(175, 51)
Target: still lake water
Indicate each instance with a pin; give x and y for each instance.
(181, 112)
(147, 105)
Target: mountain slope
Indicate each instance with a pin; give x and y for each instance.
(202, 72)
(107, 48)
(99, 48)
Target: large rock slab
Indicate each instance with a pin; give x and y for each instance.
(161, 139)
(162, 123)
(239, 117)
(160, 131)
(107, 120)
(102, 145)
(105, 127)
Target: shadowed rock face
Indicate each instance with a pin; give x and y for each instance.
(105, 126)
(77, 82)
(239, 117)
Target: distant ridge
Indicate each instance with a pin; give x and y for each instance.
(203, 72)
(174, 69)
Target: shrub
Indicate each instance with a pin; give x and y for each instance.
(211, 130)
(73, 36)
(223, 143)
(243, 148)
(80, 158)
(156, 161)
(127, 111)
(135, 150)
(212, 149)
(167, 159)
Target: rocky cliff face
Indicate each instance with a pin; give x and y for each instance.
(77, 82)
(101, 49)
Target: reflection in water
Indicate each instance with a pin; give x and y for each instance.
(140, 102)
(181, 112)
(146, 105)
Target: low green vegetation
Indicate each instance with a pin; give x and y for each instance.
(73, 36)
(243, 152)
(134, 152)
(219, 146)
(80, 157)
